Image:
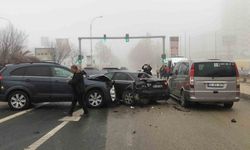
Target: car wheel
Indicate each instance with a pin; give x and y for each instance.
(95, 98)
(128, 98)
(184, 103)
(228, 105)
(18, 100)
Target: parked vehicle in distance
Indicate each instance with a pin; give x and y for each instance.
(92, 71)
(109, 69)
(26, 83)
(138, 87)
(205, 81)
(123, 68)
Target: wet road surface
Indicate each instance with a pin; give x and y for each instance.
(161, 126)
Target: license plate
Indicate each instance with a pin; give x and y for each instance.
(215, 85)
(157, 86)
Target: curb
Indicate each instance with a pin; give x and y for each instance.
(245, 96)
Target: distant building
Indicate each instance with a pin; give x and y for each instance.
(174, 46)
(45, 54)
(236, 28)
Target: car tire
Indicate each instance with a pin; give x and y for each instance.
(94, 99)
(128, 98)
(228, 105)
(183, 102)
(18, 100)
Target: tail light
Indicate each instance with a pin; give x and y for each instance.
(1, 77)
(166, 83)
(237, 77)
(191, 73)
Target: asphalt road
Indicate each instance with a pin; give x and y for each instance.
(163, 126)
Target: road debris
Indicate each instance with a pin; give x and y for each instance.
(134, 132)
(36, 132)
(115, 111)
(178, 107)
(233, 120)
(132, 107)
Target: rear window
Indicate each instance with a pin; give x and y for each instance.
(215, 69)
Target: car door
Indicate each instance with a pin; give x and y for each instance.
(122, 81)
(173, 79)
(182, 78)
(62, 91)
(38, 79)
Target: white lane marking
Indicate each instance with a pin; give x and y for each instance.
(76, 117)
(43, 139)
(19, 113)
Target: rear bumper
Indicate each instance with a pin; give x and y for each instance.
(154, 94)
(233, 96)
(213, 100)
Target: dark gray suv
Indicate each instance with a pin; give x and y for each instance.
(26, 83)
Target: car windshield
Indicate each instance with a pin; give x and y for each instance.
(215, 69)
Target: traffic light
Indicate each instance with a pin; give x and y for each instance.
(104, 37)
(80, 57)
(127, 37)
(163, 56)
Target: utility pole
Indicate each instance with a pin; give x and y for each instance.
(185, 45)
(215, 45)
(189, 46)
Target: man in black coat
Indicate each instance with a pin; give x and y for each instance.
(77, 83)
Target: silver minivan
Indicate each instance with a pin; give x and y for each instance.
(205, 81)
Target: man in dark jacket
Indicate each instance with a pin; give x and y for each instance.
(147, 69)
(77, 83)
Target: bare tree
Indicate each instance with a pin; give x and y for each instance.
(73, 56)
(146, 51)
(105, 56)
(62, 50)
(12, 46)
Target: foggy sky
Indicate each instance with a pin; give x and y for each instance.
(71, 19)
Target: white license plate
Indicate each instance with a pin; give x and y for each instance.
(157, 86)
(216, 85)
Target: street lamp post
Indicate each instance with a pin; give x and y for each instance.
(91, 50)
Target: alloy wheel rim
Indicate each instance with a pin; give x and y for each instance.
(95, 99)
(18, 101)
(129, 98)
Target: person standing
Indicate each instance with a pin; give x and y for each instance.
(147, 69)
(77, 84)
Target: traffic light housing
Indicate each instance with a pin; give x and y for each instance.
(127, 37)
(164, 56)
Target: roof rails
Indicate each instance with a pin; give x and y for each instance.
(37, 62)
(213, 59)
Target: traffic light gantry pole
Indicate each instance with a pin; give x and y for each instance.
(127, 37)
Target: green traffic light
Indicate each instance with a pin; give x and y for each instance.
(127, 38)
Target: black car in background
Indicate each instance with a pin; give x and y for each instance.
(138, 87)
(109, 69)
(26, 83)
(92, 71)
